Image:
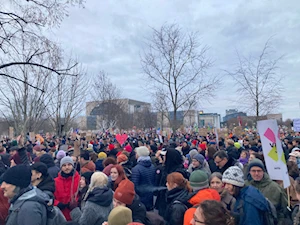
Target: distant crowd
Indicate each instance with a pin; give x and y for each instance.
(146, 179)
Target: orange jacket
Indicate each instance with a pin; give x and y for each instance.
(202, 195)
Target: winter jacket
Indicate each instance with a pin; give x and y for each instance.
(205, 168)
(98, 205)
(143, 177)
(196, 199)
(99, 165)
(230, 162)
(88, 167)
(228, 200)
(212, 165)
(233, 152)
(62, 192)
(47, 185)
(4, 206)
(53, 171)
(138, 210)
(273, 192)
(29, 208)
(249, 207)
(177, 204)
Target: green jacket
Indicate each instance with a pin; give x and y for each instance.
(273, 192)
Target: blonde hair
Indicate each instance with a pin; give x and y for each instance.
(98, 179)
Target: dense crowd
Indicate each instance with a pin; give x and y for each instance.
(149, 179)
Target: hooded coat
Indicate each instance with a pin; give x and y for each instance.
(29, 208)
(272, 191)
(53, 170)
(143, 177)
(249, 205)
(98, 205)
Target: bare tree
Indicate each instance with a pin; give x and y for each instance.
(176, 64)
(258, 82)
(23, 22)
(110, 108)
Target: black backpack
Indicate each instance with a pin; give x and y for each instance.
(270, 216)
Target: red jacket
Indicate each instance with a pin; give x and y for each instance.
(63, 192)
(4, 205)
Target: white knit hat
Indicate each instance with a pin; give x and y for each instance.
(234, 175)
(142, 151)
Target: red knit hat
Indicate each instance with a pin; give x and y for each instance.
(128, 148)
(111, 147)
(194, 142)
(202, 146)
(122, 158)
(125, 192)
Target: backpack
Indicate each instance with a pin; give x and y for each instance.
(55, 216)
(270, 216)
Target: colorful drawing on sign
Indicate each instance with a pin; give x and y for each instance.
(269, 134)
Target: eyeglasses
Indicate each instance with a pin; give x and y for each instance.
(216, 162)
(197, 220)
(256, 171)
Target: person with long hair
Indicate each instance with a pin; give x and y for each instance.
(117, 174)
(215, 182)
(211, 212)
(177, 198)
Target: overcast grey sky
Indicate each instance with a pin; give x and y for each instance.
(109, 36)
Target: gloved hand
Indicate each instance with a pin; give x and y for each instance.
(62, 206)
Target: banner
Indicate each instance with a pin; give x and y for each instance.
(272, 150)
(296, 125)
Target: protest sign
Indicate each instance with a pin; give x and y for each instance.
(296, 125)
(273, 152)
(11, 132)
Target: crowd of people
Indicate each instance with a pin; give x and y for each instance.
(149, 179)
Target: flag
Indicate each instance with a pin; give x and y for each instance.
(240, 121)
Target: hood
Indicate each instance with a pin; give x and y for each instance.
(253, 196)
(145, 163)
(47, 184)
(34, 194)
(205, 194)
(179, 194)
(48, 160)
(101, 196)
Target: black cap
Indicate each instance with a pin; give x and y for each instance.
(41, 168)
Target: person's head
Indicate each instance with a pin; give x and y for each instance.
(67, 164)
(244, 154)
(233, 178)
(98, 179)
(124, 194)
(197, 160)
(253, 149)
(296, 142)
(102, 155)
(108, 161)
(255, 155)
(48, 160)
(122, 159)
(209, 153)
(211, 212)
(198, 180)
(60, 154)
(39, 171)
(173, 159)
(85, 179)
(215, 182)
(15, 179)
(293, 169)
(142, 151)
(220, 158)
(117, 174)
(13, 150)
(256, 169)
(246, 141)
(229, 142)
(184, 144)
(176, 180)
(120, 216)
(290, 144)
(84, 157)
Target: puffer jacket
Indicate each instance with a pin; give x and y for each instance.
(249, 205)
(196, 199)
(28, 208)
(143, 177)
(98, 205)
(62, 192)
(177, 204)
(272, 191)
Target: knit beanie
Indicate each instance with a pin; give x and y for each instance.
(102, 155)
(192, 153)
(111, 147)
(128, 148)
(200, 158)
(256, 162)
(237, 145)
(122, 158)
(40, 167)
(199, 180)
(60, 154)
(125, 192)
(254, 148)
(19, 176)
(65, 160)
(142, 151)
(120, 216)
(234, 175)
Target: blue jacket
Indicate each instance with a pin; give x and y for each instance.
(249, 206)
(143, 177)
(99, 165)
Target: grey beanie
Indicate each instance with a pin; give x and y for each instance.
(234, 175)
(258, 163)
(66, 159)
